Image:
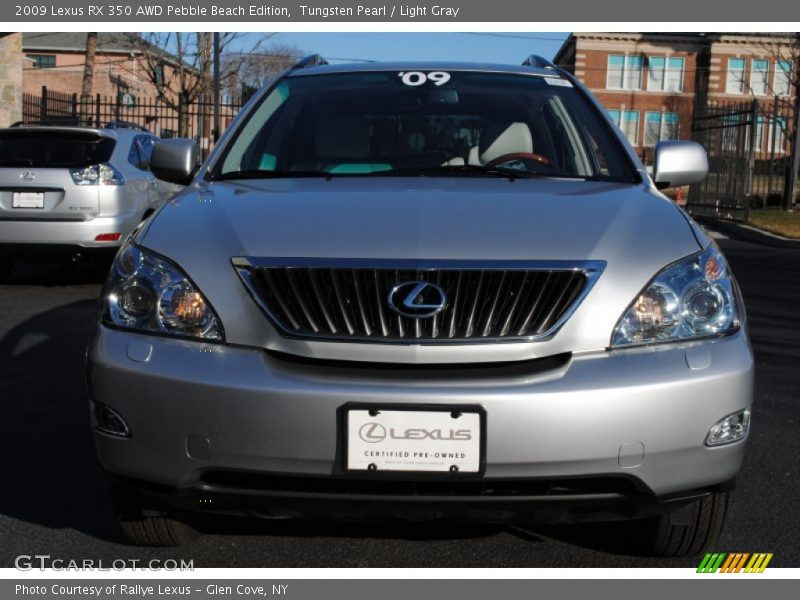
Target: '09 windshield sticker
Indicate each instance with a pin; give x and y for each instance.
(416, 78)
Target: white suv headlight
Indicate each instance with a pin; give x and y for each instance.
(692, 298)
(149, 293)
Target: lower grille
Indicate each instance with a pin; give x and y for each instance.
(465, 488)
(324, 299)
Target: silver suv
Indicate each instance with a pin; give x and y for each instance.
(423, 290)
(74, 190)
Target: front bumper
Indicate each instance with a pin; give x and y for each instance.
(632, 422)
(40, 234)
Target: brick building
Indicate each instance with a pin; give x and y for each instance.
(56, 60)
(654, 84)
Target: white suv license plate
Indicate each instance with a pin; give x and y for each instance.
(27, 200)
(413, 441)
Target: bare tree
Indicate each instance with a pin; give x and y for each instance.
(178, 64)
(784, 51)
(88, 76)
(256, 69)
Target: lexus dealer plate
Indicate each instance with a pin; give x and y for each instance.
(27, 200)
(435, 440)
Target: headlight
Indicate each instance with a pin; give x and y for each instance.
(694, 297)
(146, 292)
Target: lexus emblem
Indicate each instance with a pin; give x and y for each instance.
(27, 176)
(372, 433)
(417, 299)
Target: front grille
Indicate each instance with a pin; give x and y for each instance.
(325, 300)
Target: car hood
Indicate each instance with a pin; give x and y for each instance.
(421, 218)
(632, 228)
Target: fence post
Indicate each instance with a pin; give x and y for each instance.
(794, 161)
(751, 162)
(75, 106)
(43, 105)
(772, 128)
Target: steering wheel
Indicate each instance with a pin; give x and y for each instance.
(518, 156)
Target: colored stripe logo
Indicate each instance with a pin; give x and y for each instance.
(736, 562)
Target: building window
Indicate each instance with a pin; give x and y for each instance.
(665, 74)
(731, 132)
(759, 141)
(759, 77)
(628, 122)
(783, 78)
(777, 136)
(43, 61)
(734, 83)
(624, 72)
(159, 74)
(659, 126)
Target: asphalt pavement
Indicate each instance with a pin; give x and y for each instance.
(53, 497)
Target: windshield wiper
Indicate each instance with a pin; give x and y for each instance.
(267, 174)
(504, 172)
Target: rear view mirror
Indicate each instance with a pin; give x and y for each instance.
(679, 163)
(175, 160)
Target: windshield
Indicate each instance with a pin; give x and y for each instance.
(424, 123)
(41, 148)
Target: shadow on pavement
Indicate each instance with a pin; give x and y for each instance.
(58, 271)
(51, 476)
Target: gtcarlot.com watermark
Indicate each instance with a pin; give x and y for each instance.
(42, 562)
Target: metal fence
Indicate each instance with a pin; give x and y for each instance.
(749, 155)
(157, 115)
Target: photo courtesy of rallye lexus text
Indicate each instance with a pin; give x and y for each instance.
(423, 290)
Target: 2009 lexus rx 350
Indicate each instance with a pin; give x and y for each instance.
(423, 290)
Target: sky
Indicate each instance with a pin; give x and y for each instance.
(506, 48)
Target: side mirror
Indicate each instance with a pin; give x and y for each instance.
(679, 163)
(175, 160)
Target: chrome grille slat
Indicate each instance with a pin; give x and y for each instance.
(315, 298)
(514, 303)
(337, 290)
(273, 288)
(379, 301)
(454, 315)
(435, 319)
(322, 301)
(299, 298)
(362, 309)
(539, 292)
(544, 321)
(470, 327)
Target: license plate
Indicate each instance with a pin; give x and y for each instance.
(27, 200)
(437, 440)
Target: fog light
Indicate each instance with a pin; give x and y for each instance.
(109, 421)
(730, 429)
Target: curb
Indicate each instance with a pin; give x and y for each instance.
(747, 233)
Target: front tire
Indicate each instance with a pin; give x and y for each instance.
(697, 530)
(169, 528)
